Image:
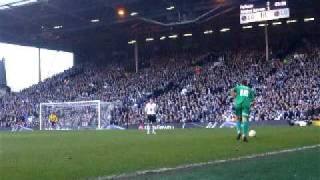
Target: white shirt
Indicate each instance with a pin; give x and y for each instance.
(150, 108)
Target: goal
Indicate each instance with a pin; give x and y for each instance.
(71, 115)
(81, 115)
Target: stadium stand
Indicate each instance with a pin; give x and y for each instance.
(187, 87)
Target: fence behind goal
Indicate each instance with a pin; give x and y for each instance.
(78, 115)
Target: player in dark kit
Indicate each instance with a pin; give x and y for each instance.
(244, 98)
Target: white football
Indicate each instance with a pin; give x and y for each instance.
(252, 133)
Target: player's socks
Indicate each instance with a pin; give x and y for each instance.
(148, 129)
(245, 139)
(153, 131)
(238, 125)
(245, 128)
(238, 136)
(244, 136)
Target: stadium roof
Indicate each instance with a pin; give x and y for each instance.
(5, 4)
(67, 24)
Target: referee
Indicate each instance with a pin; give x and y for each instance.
(150, 110)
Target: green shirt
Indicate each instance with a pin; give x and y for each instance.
(244, 94)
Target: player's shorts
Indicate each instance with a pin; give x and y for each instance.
(242, 109)
(152, 118)
(53, 123)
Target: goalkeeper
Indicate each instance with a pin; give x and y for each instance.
(53, 118)
(244, 98)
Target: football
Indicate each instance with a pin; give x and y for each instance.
(252, 133)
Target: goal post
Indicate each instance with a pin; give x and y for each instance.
(80, 115)
(99, 115)
(71, 115)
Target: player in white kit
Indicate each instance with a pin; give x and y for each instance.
(151, 111)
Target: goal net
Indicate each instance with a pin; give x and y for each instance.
(80, 115)
(111, 114)
(71, 115)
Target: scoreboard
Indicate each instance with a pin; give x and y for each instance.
(263, 10)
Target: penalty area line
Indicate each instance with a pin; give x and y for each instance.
(186, 166)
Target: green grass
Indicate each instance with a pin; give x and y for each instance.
(294, 166)
(85, 154)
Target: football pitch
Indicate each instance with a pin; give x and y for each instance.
(83, 155)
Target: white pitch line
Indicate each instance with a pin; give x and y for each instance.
(198, 125)
(161, 170)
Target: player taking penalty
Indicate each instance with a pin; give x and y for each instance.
(244, 98)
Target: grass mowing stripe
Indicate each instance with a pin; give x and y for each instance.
(294, 166)
(162, 170)
(90, 154)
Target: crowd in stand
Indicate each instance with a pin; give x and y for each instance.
(186, 87)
